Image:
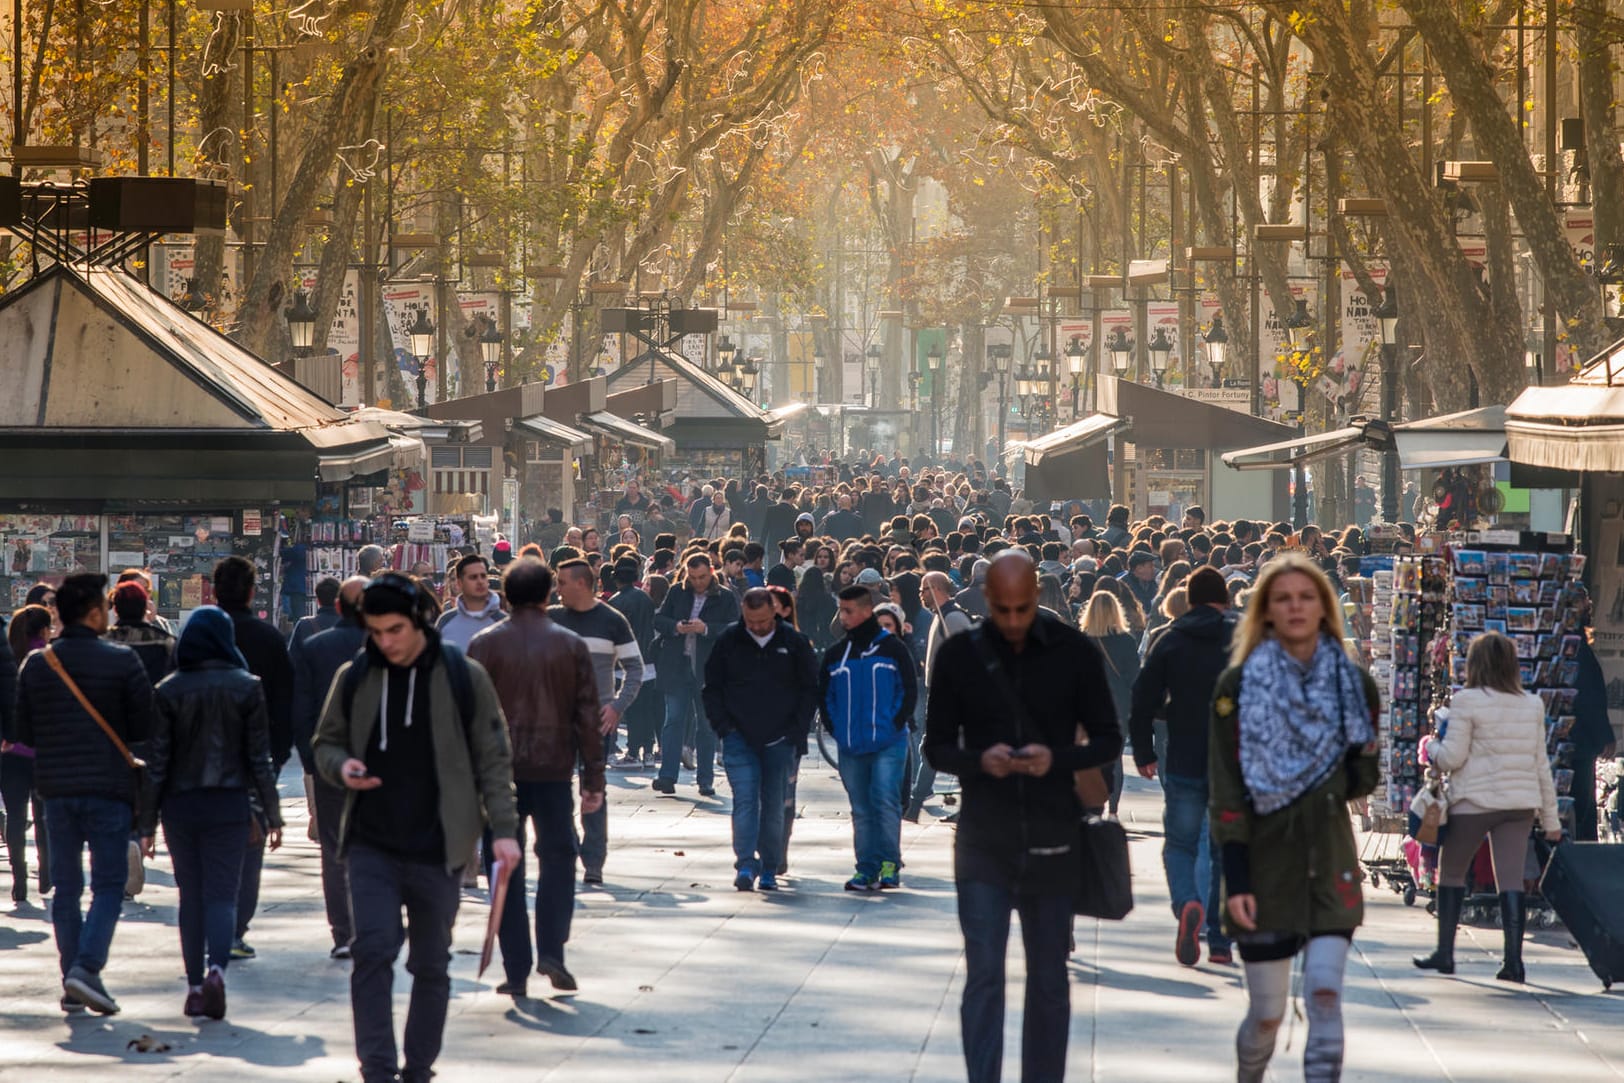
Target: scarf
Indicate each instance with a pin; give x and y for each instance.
(1297, 722)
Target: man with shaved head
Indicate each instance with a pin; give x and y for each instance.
(315, 662)
(1007, 702)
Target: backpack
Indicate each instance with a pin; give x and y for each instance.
(456, 671)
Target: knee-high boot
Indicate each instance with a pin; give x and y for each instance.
(1512, 917)
(1443, 957)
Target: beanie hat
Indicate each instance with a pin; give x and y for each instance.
(502, 553)
(1206, 587)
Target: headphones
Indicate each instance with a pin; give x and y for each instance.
(424, 609)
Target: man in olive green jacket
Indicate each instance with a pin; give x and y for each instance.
(414, 733)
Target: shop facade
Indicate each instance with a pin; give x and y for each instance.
(715, 430)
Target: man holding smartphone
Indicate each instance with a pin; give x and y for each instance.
(414, 733)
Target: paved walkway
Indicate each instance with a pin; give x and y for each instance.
(684, 979)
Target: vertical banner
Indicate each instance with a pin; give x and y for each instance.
(344, 335)
(1111, 321)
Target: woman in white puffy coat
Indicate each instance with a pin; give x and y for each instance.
(1493, 749)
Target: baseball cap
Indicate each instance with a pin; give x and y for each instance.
(869, 577)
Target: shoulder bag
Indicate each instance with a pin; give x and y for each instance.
(1104, 887)
(1431, 807)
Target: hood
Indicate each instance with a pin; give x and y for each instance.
(209, 636)
(1205, 622)
(865, 633)
(493, 607)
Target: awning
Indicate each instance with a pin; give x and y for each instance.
(346, 464)
(628, 432)
(1468, 438)
(1062, 441)
(1163, 419)
(789, 412)
(1292, 453)
(554, 433)
(1575, 427)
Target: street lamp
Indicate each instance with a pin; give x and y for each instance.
(490, 350)
(1076, 359)
(1000, 354)
(301, 323)
(872, 357)
(747, 376)
(1217, 342)
(1042, 377)
(1387, 320)
(1161, 349)
(933, 362)
(1611, 275)
(725, 352)
(1299, 325)
(1120, 344)
(421, 333)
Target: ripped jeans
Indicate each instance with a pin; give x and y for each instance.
(1269, 986)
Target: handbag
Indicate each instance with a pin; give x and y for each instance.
(138, 766)
(1104, 887)
(1431, 806)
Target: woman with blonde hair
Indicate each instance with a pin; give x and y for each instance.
(1292, 742)
(1493, 746)
(1103, 623)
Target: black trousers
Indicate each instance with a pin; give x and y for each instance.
(335, 878)
(381, 886)
(17, 792)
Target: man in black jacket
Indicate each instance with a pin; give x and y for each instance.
(89, 789)
(761, 690)
(267, 655)
(646, 712)
(1177, 680)
(778, 522)
(1014, 849)
(695, 613)
(316, 660)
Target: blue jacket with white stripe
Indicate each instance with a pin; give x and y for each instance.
(868, 689)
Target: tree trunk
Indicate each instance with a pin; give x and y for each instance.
(356, 90)
(1596, 79)
(217, 151)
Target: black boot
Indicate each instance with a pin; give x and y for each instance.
(19, 882)
(1443, 958)
(1512, 916)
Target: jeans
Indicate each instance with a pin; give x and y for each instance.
(206, 832)
(1046, 1017)
(595, 829)
(873, 782)
(759, 778)
(682, 707)
(552, 806)
(17, 792)
(380, 885)
(924, 775)
(1187, 852)
(103, 824)
(335, 879)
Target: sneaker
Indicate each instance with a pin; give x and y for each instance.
(767, 882)
(628, 762)
(707, 791)
(87, 989)
(689, 762)
(912, 816)
(194, 1004)
(888, 876)
(650, 760)
(862, 881)
(214, 995)
(516, 990)
(744, 881)
(1187, 948)
(71, 1004)
(660, 785)
(554, 971)
(592, 876)
(340, 951)
(1220, 956)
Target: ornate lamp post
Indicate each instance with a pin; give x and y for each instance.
(1216, 341)
(421, 333)
(1387, 318)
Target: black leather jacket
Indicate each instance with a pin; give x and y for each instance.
(210, 731)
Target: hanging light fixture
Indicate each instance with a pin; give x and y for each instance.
(301, 322)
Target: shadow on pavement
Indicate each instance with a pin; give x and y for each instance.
(1129, 981)
(120, 1038)
(12, 939)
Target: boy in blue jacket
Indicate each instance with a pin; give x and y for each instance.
(868, 690)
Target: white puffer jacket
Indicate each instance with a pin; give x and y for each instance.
(1494, 752)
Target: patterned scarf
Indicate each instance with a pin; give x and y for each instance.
(1298, 722)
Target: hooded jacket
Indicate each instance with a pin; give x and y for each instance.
(459, 624)
(1179, 673)
(868, 689)
(315, 662)
(765, 693)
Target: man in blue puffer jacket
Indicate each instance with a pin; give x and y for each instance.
(868, 690)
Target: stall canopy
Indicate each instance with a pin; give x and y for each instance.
(1579, 426)
(1467, 438)
(116, 393)
(1161, 419)
(1063, 441)
(627, 432)
(708, 411)
(554, 433)
(1070, 461)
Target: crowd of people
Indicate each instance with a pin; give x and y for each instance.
(932, 623)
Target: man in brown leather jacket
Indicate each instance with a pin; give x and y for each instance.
(543, 677)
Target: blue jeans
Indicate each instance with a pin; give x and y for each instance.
(758, 778)
(873, 782)
(683, 707)
(103, 824)
(594, 829)
(1187, 852)
(552, 806)
(923, 774)
(1046, 1017)
(206, 832)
